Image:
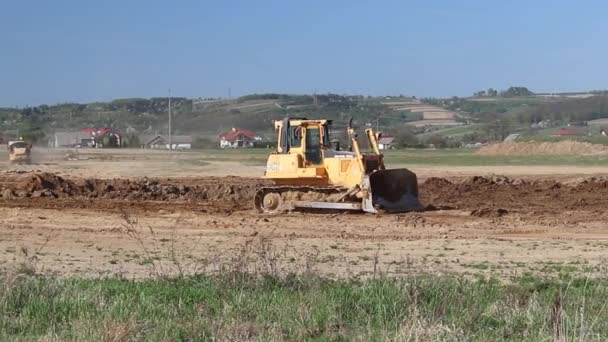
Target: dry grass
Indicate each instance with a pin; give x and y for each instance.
(261, 292)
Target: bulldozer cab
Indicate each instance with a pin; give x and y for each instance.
(310, 141)
(17, 144)
(304, 137)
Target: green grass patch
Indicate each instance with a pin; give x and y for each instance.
(242, 307)
(249, 156)
(451, 131)
(438, 157)
(467, 157)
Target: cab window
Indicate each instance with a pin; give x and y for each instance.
(326, 141)
(313, 145)
(295, 136)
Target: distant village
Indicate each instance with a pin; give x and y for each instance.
(105, 137)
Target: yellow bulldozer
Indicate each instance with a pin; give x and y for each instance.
(309, 172)
(19, 152)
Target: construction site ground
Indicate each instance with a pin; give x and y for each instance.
(139, 213)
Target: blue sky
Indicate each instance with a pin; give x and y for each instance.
(82, 51)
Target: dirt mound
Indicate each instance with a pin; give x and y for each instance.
(483, 196)
(43, 181)
(490, 194)
(566, 147)
(41, 184)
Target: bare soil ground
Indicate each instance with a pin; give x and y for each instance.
(128, 215)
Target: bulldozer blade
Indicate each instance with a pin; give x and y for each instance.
(394, 190)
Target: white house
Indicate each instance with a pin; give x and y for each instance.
(385, 142)
(178, 142)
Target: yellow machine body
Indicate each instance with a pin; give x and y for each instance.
(19, 152)
(305, 158)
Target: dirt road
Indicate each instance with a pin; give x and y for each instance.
(161, 226)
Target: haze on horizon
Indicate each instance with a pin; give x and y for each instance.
(72, 51)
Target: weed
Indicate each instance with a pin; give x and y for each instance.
(229, 306)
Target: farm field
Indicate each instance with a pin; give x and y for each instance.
(153, 216)
(494, 219)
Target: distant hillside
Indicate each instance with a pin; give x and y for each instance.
(492, 118)
(415, 122)
(208, 117)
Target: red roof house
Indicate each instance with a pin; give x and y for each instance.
(566, 131)
(97, 136)
(99, 132)
(237, 138)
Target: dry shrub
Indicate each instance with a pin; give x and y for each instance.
(256, 256)
(118, 331)
(239, 331)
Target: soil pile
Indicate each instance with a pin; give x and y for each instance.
(483, 196)
(42, 184)
(567, 147)
(514, 194)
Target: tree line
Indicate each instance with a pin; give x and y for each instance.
(511, 92)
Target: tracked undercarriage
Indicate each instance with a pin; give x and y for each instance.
(276, 199)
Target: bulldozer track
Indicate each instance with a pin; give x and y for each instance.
(288, 192)
(284, 188)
